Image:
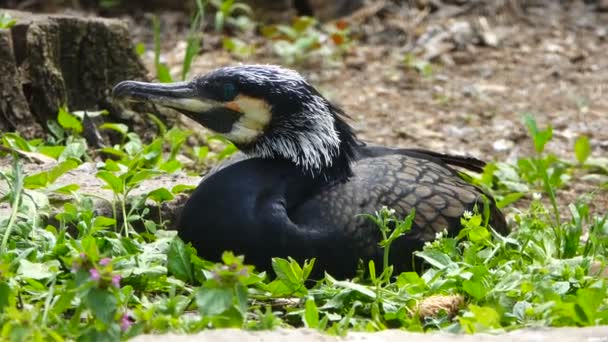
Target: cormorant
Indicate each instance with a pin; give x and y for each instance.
(306, 176)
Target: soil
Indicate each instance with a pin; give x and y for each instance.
(550, 61)
(490, 66)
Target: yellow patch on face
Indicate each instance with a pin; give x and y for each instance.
(233, 106)
(256, 116)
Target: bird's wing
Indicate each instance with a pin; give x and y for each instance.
(466, 162)
(497, 219)
(400, 182)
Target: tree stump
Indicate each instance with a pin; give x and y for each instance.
(48, 61)
(270, 11)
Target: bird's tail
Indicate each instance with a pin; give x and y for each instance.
(466, 162)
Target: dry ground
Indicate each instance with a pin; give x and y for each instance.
(551, 62)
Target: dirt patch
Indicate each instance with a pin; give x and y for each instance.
(550, 63)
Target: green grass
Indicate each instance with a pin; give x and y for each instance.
(68, 273)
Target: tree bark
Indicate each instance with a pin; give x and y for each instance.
(14, 109)
(48, 61)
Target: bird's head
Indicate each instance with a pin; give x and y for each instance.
(266, 111)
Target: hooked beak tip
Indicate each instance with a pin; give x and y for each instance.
(124, 89)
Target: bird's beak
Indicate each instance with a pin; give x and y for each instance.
(180, 95)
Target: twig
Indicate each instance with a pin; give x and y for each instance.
(366, 11)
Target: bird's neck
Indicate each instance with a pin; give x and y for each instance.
(340, 168)
(322, 149)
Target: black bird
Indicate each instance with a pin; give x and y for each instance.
(306, 176)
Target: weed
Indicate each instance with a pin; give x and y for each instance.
(302, 40)
(193, 41)
(421, 66)
(226, 11)
(162, 71)
(87, 276)
(238, 48)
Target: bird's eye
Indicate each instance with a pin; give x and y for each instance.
(229, 91)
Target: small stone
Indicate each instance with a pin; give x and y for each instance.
(490, 39)
(555, 48)
(501, 145)
(488, 36)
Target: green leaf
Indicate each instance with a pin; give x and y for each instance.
(66, 189)
(435, 258)
(111, 165)
(162, 128)
(213, 301)
(307, 268)
(219, 21)
(51, 151)
(486, 316)
(5, 295)
(362, 289)
(140, 49)
(561, 287)
(102, 221)
(540, 137)
(114, 152)
(102, 303)
(407, 278)
(588, 301)
(311, 314)
(74, 149)
(16, 142)
(582, 149)
(193, 47)
(303, 23)
(68, 121)
(478, 234)
(153, 151)
(285, 271)
(474, 288)
(160, 195)
(163, 74)
(113, 182)
(171, 166)
(36, 270)
(6, 21)
(45, 178)
(228, 44)
(117, 127)
(89, 246)
(177, 136)
(241, 298)
(201, 152)
(178, 261)
(227, 151)
(56, 130)
(141, 176)
(509, 199)
(134, 145)
(179, 188)
(64, 302)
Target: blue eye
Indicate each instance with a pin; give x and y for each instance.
(229, 91)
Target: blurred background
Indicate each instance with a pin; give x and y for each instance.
(449, 75)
